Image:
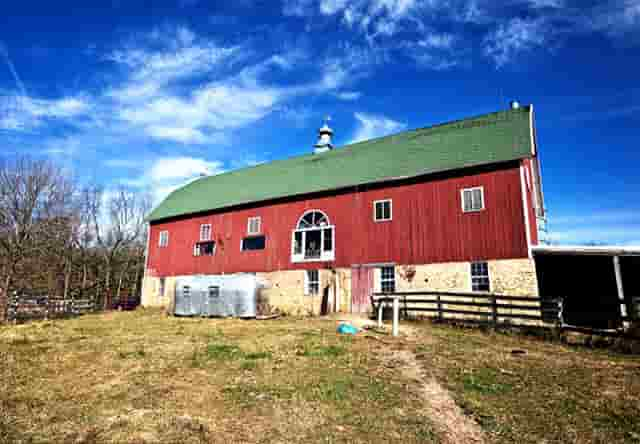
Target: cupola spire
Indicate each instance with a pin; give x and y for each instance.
(324, 137)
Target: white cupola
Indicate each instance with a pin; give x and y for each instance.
(324, 138)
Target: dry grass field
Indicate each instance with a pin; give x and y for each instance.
(143, 377)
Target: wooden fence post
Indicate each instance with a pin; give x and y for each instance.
(623, 304)
(494, 311)
(396, 315)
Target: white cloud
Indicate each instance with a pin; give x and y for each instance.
(298, 7)
(330, 7)
(123, 163)
(546, 3)
(183, 168)
(371, 126)
(166, 174)
(439, 41)
(514, 37)
(348, 96)
(24, 113)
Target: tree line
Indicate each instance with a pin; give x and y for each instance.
(63, 239)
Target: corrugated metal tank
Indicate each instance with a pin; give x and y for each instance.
(233, 295)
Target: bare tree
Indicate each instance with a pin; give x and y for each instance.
(119, 226)
(34, 196)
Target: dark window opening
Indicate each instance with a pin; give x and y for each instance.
(312, 247)
(480, 276)
(382, 210)
(204, 248)
(328, 239)
(387, 279)
(297, 243)
(253, 243)
(313, 282)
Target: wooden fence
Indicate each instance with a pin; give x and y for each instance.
(25, 308)
(492, 309)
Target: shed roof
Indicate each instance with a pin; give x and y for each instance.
(491, 138)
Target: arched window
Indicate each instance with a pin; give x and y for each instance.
(313, 218)
(312, 239)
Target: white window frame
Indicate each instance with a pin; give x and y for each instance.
(382, 201)
(471, 190)
(163, 239)
(324, 255)
(471, 276)
(308, 282)
(259, 222)
(393, 268)
(203, 238)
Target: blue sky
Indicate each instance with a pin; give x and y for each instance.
(149, 97)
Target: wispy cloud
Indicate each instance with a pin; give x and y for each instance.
(514, 37)
(371, 126)
(348, 96)
(4, 53)
(611, 227)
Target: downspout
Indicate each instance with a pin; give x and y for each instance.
(146, 263)
(525, 209)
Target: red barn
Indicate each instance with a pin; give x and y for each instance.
(449, 207)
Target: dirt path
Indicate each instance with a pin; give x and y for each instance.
(448, 419)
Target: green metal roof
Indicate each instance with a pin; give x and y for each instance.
(490, 138)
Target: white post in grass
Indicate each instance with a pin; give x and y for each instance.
(396, 315)
(623, 305)
(380, 310)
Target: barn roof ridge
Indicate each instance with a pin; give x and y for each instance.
(483, 139)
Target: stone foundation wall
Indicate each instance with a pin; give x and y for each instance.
(514, 277)
(284, 290)
(151, 296)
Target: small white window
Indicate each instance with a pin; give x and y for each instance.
(480, 276)
(205, 232)
(311, 282)
(387, 279)
(472, 199)
(254, 225)
(163, 241)
(382, 210)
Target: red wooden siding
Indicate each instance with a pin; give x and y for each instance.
(428, 226)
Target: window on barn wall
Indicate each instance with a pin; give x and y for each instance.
(253, 243)
(163, 240)
(161, 287)
(205, 232)
(204, 248)
(313, 238)
(311, 282)
(387, 279)
(254, 225)
(480, 276)
(472, 199)
(382, 210)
